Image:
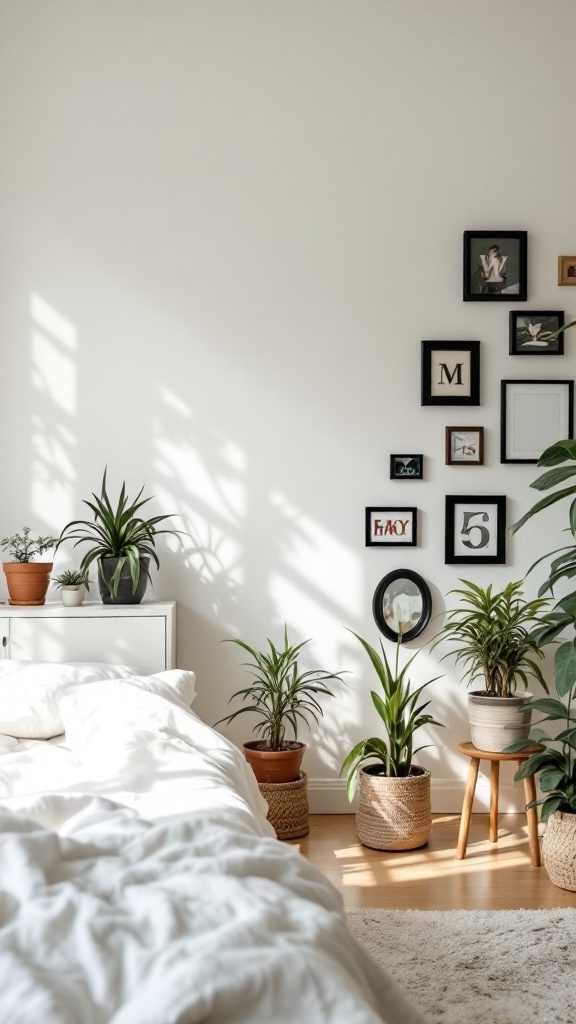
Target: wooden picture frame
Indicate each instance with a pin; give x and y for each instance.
(567, 270)
(464, 446)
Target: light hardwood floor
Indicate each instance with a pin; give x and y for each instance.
(493, 876)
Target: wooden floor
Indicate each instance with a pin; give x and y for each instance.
(493, 876)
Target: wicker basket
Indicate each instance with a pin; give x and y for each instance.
(559, 849)
(394, 813)
(287, 806)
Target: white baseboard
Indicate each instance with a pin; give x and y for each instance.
(328, 796)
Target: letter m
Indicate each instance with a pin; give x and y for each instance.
(451, 378)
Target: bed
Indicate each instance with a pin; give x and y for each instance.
(140, 882)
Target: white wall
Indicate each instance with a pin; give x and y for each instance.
(226, 227)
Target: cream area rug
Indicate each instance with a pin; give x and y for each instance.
(477, 967)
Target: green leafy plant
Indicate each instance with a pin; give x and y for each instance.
(116, 532)
(401, 715)
(496, 636)
(21, 547)
(281, 694)
(71, 578)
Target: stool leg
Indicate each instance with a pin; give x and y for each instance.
(467, 807)
(532, 815)
(494, 784)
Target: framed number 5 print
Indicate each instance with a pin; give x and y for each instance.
(475, 529)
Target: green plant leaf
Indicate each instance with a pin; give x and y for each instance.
(565, 668)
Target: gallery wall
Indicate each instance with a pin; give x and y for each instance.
(226, 229)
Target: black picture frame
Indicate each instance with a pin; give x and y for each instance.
(450, 373)
(391, 526)
(406, 467)
(495, 266)
(475, 523)
(533, 415)
(402, 583)
(533, 332)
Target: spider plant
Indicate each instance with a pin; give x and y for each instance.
(71, 578)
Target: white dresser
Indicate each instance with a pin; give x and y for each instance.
(140, 635)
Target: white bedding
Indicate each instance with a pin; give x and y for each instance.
(140, 882)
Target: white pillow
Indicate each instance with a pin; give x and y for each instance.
(30, 693)
(184, 683)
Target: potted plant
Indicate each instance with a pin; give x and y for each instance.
(26, 579)
(394, 810)
(73, 585)
(495, 637)
(556, 764)
(122, 544)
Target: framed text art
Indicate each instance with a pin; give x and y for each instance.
(567, 270)
(534, 414)
(475, 529)
(535, 333)
(464, 446)
(406, 467)
(450, 373)
(391, 526)
(495, 266)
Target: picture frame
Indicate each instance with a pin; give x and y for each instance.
(495, 266)
(464, 446)
(406, 467)
(391, 526)
(533, 415)
(402, 605)
(534, 332)
(475, 529)
(567, 270)
(450, 373)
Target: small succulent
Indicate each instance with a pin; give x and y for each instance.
(71, 578)
(21, 547)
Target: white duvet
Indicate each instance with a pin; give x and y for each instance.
(140, 882)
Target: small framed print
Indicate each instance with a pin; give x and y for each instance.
(567, 270)
(464, 446)
(533, 415)
(406, 467)
(391, 526)
(495, 266)
(450, 373)
(535, 333)
(475, 530)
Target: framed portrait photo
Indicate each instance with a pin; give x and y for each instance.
(535, 333)
(475, 529)
(533, 415)
(567, 270)
(495, 266)
(464, 446)
(391, 526)
(450, 373)
(406, 467)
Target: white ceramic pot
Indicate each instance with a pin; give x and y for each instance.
(72, 596)
(496, 722)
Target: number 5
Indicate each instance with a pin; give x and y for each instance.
(483, 536)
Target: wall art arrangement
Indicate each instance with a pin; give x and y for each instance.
(533, 414)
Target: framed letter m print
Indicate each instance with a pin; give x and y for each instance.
(450, 373)
(475, 530)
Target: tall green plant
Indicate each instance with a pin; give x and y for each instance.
(280, 694)
(401, 715)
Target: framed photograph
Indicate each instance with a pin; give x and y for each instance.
(391, 526)
(450, 373)
(567, 270)
(535, 333)
(406, 467)
(533, 415)
(464, 446)
(495, 266)
(475, 529)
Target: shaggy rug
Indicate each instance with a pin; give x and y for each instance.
(477, 967)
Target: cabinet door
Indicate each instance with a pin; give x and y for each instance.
(138, 641)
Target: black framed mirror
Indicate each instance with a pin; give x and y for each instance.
(402, 603)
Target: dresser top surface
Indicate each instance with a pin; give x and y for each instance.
(87, 610)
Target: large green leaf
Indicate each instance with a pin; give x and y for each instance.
(565, 668)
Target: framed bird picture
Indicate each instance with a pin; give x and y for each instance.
(535, 333)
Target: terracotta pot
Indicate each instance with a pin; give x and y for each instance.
(27, 581)
(496, 722)
(275, 765)
(394, 813)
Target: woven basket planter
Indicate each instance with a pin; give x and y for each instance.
(394, 813)
(287, 807)
(559, 849)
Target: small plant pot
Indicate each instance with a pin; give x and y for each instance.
(496, 722)
(275, 765)
(72, 596)
(27, 582)
(394, 813)
(559, 850)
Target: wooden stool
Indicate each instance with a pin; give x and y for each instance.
(495, 756)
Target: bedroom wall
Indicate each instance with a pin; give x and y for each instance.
(226, 228)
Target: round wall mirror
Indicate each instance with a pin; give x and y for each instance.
(402, 604)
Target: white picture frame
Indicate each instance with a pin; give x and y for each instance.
(534, 414)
